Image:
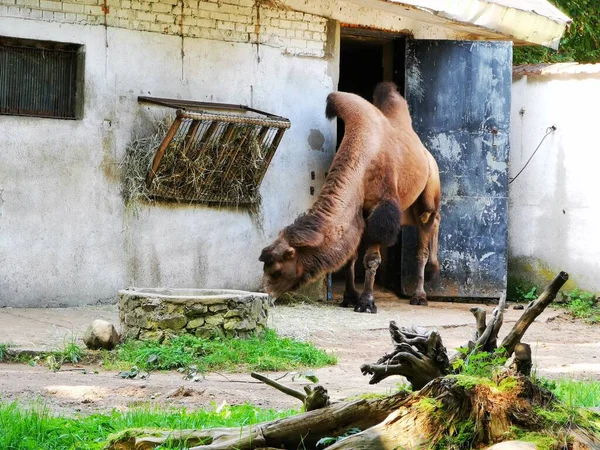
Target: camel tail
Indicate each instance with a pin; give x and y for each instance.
(351, 108)
(331, 110)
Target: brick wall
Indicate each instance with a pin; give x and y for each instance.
(225, 20)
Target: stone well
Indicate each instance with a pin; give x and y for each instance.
(151, 314)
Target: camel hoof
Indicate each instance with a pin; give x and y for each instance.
(350, 299)
(366, 303)
(418, 300)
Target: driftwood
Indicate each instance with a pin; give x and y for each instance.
(290, 432)
(420, 356)
(419, 420)
(313, 398)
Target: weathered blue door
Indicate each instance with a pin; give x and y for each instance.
(459, 97)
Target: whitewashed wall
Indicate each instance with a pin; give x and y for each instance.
(65, 238)
(554, 212)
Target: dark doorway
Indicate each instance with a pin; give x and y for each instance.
(368, 57)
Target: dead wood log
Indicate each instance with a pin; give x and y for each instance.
(303, 429)
(533, 310)
(447, 406)
(522, 362)
(419, 355)
(313, 398)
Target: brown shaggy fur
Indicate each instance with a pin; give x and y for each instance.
(381, 172)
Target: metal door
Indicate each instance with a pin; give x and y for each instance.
(459, 97)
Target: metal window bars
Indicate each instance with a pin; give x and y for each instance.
(214, 158)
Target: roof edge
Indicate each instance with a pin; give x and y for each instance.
(528, 26)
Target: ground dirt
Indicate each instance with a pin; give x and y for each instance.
(562, 348)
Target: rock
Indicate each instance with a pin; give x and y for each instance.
(513, 445)
(518, 307)
(237, 324)
(176, 322)
(233, 313)
(195, 323)
(217, 308)
(206, 333)
(217, 319)
(195, 310)
(101, 334)
(158, 336)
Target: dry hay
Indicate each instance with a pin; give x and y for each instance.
(217, 172)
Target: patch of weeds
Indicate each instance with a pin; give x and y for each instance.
(542, 441)
(71, 352)
(558, 414)
(328, 441)
(36, 428)
(366, 396)
(582, 305)
(457, 437)
(578, 394)
(479, 364)
(268, 352)
(429, 405)
(3, 351)
(524, 295)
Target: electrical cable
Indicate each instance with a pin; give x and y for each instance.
(548, 131)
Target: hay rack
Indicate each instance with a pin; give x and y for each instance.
(213, 157)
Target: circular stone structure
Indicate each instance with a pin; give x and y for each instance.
(152, 314)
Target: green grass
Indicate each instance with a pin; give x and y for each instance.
(35, 428)
(576, 394)
(3, 349)
(268, 352)
(582, 305)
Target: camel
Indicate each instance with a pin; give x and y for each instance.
(381, 178)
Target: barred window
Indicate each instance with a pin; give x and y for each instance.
(41, 78)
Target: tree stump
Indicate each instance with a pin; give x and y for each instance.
(420, 356)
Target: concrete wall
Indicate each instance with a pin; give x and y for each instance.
(554, 208)
(65, 237)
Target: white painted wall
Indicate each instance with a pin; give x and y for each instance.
(65, 238)
(554, 211)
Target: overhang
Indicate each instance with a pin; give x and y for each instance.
(522, 21)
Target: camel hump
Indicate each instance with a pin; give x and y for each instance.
(349, 107)
(389, 101)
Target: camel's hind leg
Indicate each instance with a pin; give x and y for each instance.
(350, 292)
(426, 225)
(432, 268)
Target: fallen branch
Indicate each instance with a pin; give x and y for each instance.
(532, 311)
(314, 398)
(303, 429)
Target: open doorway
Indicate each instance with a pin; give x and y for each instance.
(368, 57)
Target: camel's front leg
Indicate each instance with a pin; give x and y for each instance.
(425, 227)
(350, 292)
(372, 260)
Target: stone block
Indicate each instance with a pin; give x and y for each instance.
(195, 323)
(216, 319)
(217, 308)
(173, 322)
(151, 335)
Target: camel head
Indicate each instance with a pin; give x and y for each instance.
(282, 271)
